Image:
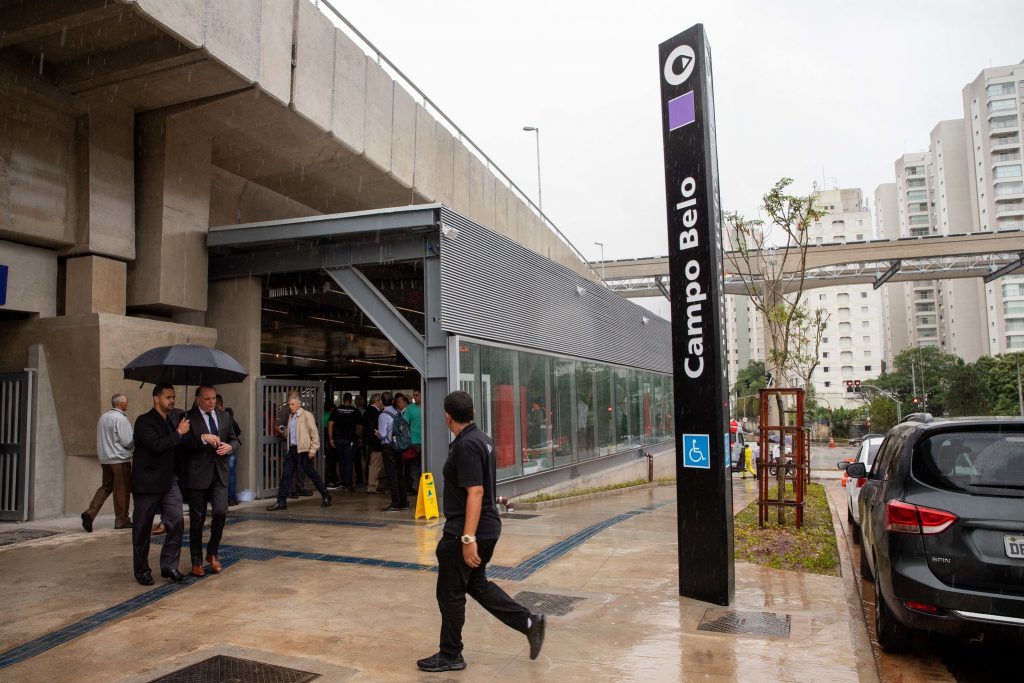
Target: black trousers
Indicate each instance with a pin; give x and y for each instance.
(296, 461)
(395, 468)
(217, 494)
(331, 463)
(346, 450)
(146, 506)
(456, 579)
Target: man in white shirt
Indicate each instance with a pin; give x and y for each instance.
(114, 446)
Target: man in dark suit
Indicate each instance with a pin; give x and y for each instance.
(155, 486)
(209, 442)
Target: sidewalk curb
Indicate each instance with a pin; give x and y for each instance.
(859, 633)
(543, 505)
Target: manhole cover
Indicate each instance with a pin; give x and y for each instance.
(517, 515)
(19, 535)
(223, 669)
(749, 623)
(547, 603)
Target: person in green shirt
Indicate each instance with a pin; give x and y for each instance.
(413, 467)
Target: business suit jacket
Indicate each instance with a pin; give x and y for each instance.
(154, 463)
(203, 465)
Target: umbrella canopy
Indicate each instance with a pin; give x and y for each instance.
(185, 364)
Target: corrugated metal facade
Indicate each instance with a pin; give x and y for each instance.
(496, 289)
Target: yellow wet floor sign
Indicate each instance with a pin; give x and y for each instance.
(426, 501)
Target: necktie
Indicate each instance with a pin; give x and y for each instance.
(213, 424)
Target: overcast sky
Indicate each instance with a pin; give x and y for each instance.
(809, 90)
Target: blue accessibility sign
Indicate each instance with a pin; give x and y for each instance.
(697, 451)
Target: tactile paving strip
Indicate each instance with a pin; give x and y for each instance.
(223, 669)
(748, 623)
(20, 535)
(548, 603)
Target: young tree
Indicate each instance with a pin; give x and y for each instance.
(771, 256)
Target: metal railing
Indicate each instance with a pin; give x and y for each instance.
(15, 445)
(414, 89)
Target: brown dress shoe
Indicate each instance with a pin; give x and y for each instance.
(214, 563)
(197, 570)
(158, 529)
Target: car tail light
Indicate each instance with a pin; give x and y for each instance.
(922, 607)
(914, 519)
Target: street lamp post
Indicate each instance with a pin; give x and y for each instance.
(601, 244)
(540, 197)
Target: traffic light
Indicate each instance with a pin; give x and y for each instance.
(849, 386)
(856, 386)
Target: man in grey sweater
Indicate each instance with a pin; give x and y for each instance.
(114, 444)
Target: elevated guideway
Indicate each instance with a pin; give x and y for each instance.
(933, 257)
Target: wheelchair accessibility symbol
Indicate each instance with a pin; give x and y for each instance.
(697, 451)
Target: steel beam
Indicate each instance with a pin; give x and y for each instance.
(436, 377)
(319, 227)
(1005, 270)
(305, 257)
(385, 316)
(887, 275)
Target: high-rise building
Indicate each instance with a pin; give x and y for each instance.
(896, 336)
(851, 347)
(992, 114)
(961, 301)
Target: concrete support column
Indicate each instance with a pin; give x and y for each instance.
(95, 285)
(172, 204)
(106, 183)
(234, 311)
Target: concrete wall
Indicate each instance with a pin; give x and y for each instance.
(106, 183)
(235, 313)
(31, 279)
(85, 355)
(36, 168)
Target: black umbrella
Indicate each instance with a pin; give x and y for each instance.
(185, 364)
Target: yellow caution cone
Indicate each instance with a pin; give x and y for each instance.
(426, 501)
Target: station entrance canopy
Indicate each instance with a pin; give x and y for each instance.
(475, 284)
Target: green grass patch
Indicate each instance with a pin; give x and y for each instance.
(811, 548)
(544, 497)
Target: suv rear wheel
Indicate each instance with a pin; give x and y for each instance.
(865, 568)
(892, 635)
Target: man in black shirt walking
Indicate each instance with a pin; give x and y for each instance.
(471, 530)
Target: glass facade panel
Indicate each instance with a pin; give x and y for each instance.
(544, 411)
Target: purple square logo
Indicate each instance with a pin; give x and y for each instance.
(681, 111)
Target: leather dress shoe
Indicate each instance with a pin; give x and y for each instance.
(305, 494)
(293, 496)
(277, 506)
(87, 522)
(327, 501)
(197, 570)
(215, 565)
(535, 634)
(172, 574)
(145, 578)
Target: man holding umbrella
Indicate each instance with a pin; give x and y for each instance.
(155, 486)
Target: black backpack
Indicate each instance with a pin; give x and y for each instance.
(401, 434)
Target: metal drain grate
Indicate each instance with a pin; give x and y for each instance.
(517, 515)
(548, 603)
(223, 669)
(20, 535)
(749, 623)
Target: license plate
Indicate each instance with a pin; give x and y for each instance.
(1014, 545)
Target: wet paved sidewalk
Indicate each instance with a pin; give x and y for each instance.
(348, 593)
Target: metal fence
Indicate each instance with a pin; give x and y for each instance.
(273, 405)
(15, 445)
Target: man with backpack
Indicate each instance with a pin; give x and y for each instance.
(386, 423)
